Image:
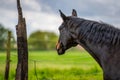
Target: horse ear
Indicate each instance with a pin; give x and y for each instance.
(63, 16)
(74, 13)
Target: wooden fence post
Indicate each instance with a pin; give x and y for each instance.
(6, 77)
(22, 65)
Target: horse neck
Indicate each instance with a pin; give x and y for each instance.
(92, 49)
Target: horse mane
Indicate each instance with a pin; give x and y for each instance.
(97, 32)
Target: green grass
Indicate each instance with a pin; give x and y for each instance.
(73, 65)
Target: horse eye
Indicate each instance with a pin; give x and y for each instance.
(59, 28)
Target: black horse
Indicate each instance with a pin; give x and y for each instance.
(101, 40)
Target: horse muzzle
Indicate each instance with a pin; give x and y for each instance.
(59, 48)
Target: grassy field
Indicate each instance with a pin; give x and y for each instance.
(74, 65)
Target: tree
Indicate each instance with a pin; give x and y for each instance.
(3, 37)
(42, 40)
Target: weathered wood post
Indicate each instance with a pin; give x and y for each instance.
(6, 77)
(22, 66)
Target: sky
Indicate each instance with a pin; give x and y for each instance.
(44, 14)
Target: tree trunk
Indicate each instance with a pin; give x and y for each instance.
(22, 66)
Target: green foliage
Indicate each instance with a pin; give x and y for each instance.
(4, 36)
(42, 40)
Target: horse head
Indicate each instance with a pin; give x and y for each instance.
(66, 39)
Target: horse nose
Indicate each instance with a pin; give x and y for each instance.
(59, 48)
(58, 45)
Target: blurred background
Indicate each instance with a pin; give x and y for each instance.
(43, 20)
(42, 16)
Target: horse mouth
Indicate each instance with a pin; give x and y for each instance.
(60, 49)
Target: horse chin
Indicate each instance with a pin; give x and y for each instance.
(61, 51)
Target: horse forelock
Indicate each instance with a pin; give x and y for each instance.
(95, 32)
